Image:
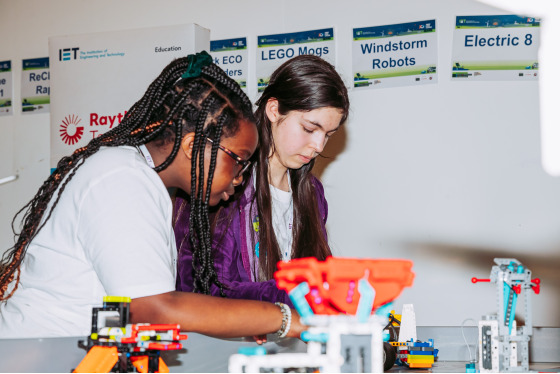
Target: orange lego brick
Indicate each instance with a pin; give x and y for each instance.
(99, 359)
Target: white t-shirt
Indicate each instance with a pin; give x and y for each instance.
(282, 220)
(110, 234)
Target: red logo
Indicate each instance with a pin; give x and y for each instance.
(70, 132)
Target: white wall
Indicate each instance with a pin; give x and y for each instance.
(447, 175)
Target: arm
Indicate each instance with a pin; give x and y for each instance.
(227, 260)
(231, 274)
(132, 251)
(212, 316)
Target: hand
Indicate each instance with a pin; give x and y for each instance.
(260, 339)
(296, 327)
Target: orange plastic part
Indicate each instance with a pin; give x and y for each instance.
(141, 364)
(333, 283)
(98, 360)
(420, 366)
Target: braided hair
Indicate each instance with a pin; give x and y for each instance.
(211, 105)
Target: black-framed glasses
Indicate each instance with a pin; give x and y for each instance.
(238, 159)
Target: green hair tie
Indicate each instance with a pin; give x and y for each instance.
(196, 63)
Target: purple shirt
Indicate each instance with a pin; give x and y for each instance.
(234, 256)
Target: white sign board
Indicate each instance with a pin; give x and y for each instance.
(395, 55)
(503, 47)
(35, 86)
(6, 106)
(231, 55)
(274, 50)
(97, 77)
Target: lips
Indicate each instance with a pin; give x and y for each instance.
(305, 159)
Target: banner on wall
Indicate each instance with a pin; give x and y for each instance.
(6, 88)
(274, 50)
(97, 77)
(35, 86)
(503, 47)
(231, 55)
(395, 55)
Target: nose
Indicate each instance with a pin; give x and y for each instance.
(318, 142)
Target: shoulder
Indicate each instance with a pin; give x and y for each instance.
(119, 171)
(116, 162)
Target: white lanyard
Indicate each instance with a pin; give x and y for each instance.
(142, 148)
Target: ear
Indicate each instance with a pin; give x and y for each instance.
(272, 110)
(187, 144)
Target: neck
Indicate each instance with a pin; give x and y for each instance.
(159, 155)
(278, 174)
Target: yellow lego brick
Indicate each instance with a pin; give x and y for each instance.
(116, 299)
(420, 359)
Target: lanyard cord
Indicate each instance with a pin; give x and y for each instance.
(142, 148)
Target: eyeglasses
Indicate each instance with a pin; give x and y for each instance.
(238, 160)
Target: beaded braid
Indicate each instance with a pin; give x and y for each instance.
(205, 273)
(166, 111)
(200, 260)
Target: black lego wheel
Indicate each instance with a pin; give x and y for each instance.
(389, 356)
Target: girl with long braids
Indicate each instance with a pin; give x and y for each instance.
(101, 223)
(282, 211)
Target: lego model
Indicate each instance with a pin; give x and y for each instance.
(416, 354)
(345, 303)
(501, 342)
(407, 350)
(118, 346)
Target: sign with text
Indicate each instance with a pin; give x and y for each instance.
(395, 55)
(231, 55)
(274, 50)
(6, 107)
(503, 47)
(35, 86)
(97, 77)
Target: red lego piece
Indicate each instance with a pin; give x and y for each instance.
(333, 283)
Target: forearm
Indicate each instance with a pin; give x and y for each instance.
(263, 291)
(209, 315)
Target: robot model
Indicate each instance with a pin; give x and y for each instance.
(118, 346)
(504, 347)
(345, 302)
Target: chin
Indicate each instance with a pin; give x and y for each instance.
(214, 201)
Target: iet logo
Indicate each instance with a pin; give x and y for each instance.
(68, 54)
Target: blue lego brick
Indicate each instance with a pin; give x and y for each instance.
(423, 353)
(419, 344)
(365, 303)
(306, 336)
(471, 368)
(252, 351)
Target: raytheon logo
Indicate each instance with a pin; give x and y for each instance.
(68, 54)
(70, 132)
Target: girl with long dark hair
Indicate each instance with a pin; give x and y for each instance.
(101, 223)
(282, 211)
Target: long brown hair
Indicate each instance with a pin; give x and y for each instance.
(303, 83)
